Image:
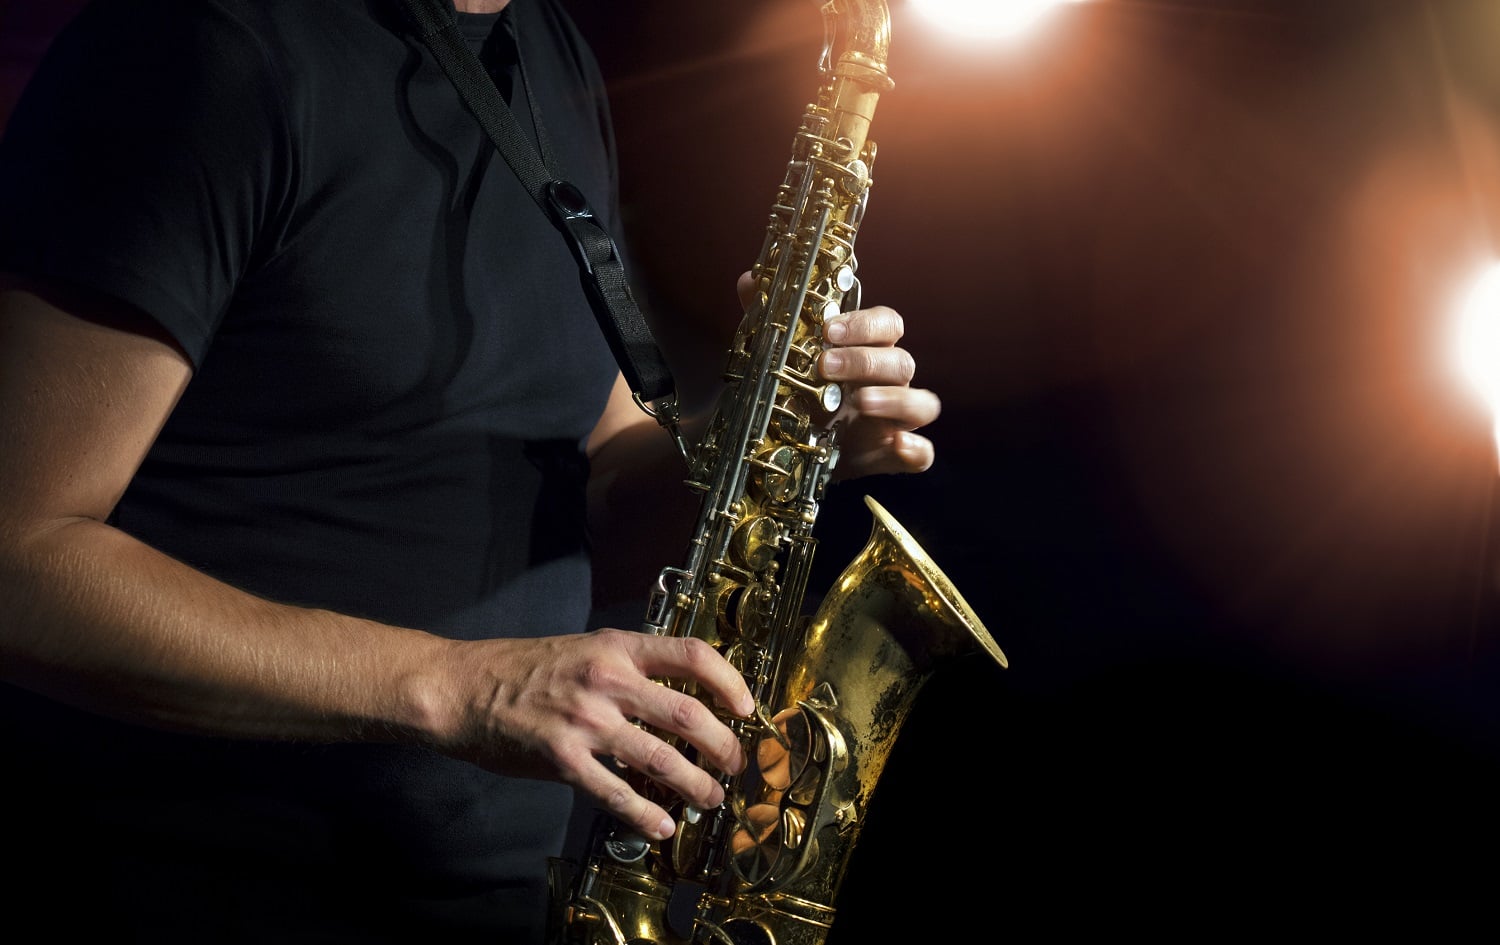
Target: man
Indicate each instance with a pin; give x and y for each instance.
(300, 404)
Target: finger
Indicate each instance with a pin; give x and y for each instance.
(668, 710)
(865, 365)
(905, 408)
(745, 289)
(641, 751)
(901, 452)
(690, 658)
(878, 325)
(616, 796)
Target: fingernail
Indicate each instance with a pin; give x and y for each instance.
(835, 330)
(666, 828)
(832, 361)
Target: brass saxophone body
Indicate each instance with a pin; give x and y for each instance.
(834, 689)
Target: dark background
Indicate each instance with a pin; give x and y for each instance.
(1184, 274)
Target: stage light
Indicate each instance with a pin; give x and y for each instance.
(1478, 342)
(985, 19)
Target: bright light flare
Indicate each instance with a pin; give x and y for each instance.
(985, 18)
(1478, 342)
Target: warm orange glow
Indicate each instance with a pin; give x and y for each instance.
(1479, 342)
(985, 18)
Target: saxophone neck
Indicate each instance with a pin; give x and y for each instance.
(856, 41)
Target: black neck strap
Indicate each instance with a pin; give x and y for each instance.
(600, 267)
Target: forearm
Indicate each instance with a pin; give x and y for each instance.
(99, 620)
(640, 511)
(103, 622)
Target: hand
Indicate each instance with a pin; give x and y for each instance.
(563, 708)
(881, 409)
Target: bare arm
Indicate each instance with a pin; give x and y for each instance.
(640, 511)
(102, 621)
(97, 619)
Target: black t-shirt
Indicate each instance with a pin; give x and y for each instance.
(395, 370)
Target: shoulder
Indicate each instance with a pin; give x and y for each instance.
(563, 35)
(145, 52)
(186, 31)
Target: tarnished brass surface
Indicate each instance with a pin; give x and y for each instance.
(832, 689)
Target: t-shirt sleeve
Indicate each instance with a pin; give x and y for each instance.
(147, 159)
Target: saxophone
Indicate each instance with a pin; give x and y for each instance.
(834, 689)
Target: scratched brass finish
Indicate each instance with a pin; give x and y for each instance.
(832, 689)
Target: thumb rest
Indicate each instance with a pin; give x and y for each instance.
(832, 690)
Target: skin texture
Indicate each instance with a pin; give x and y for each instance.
(97, 619)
